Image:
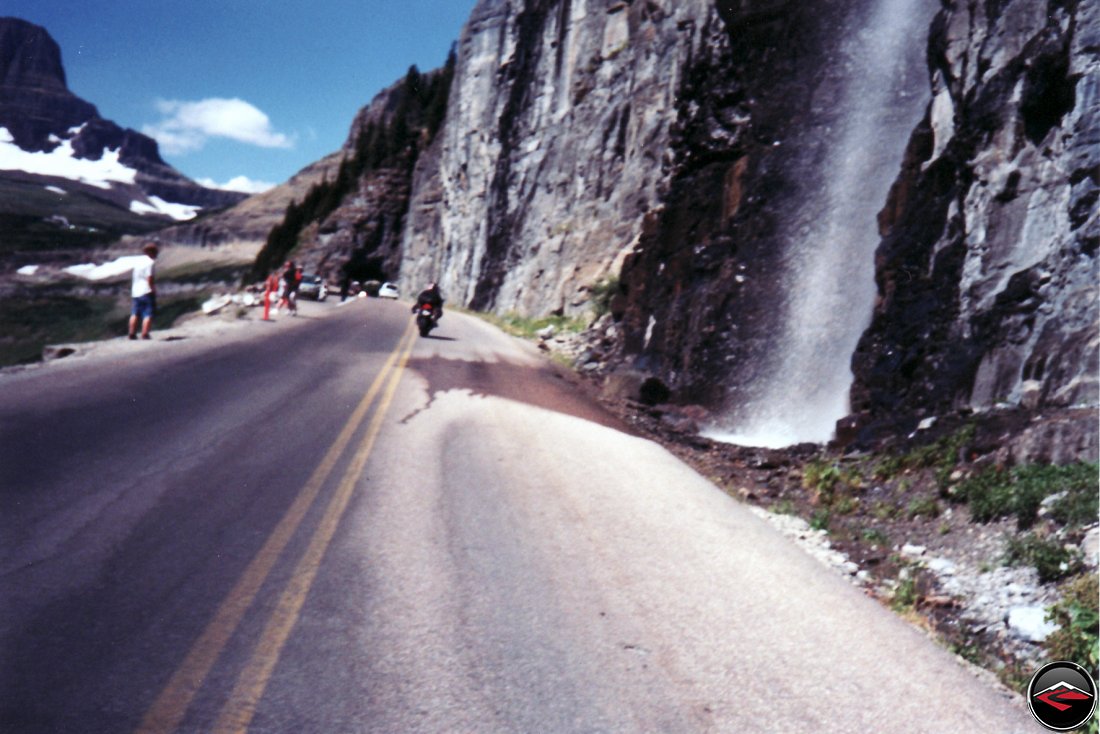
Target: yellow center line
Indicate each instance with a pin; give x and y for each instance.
(171, 705)
(238, 711)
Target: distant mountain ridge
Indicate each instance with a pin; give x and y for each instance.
(51, 136)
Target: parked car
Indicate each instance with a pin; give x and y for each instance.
(313, 286)
(389, 290)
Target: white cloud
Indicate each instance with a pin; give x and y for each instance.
(242, 184)
(188, 125)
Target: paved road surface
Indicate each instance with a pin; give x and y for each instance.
(330, 525)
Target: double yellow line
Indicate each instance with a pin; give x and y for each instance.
(168, 711)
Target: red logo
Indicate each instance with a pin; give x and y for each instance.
(1062, 696)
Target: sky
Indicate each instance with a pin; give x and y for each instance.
(242, 91)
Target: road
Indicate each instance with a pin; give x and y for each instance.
(327, 524)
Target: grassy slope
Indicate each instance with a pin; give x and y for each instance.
(26, 207)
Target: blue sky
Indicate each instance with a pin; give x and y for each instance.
(252, 88)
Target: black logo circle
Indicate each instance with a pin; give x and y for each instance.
(1062, 696)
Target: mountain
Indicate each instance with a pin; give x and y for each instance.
(251, 220)
(871, 211)
(361, 228)
(59, 158)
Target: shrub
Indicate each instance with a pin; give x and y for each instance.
(884, 510)
(923, 507)
(821, 478)
(820, 519)
(845, 504)
(1050, 558)
(875, 537)
(905, 594)
(527, 327)
(1081, 503)
(943, 455)
(997, 493)
(888, 467)
(602, 293)
(1078, 618)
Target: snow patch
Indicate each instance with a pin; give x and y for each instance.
(62, 162)
(57, 190)
(157, 205)
(91, 271)
(27, 270)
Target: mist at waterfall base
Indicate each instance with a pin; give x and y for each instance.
(827, 286)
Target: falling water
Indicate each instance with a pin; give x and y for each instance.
(829, 278)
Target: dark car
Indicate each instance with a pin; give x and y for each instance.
(313, 286)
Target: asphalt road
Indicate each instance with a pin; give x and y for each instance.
(328, 524)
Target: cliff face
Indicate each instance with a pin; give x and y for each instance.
(688, 152)
(361, 238)
(988, 270)
(35, 101)
(555, 148)
(708, 293)
(685, 145)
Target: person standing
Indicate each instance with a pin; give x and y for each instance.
(143, 291)
(292, 277)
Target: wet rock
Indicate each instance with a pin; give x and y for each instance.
(680, 423)
(987, 268)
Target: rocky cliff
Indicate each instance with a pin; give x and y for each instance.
(683, 155)
(41, 115)
(555, 148)
(987, 273)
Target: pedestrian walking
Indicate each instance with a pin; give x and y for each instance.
(143, 292)
(292, 277)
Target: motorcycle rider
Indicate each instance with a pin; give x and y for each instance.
(432, 296)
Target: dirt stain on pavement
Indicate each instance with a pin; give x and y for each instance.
(541, 387)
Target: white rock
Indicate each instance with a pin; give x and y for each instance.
(1048, 503)
(1090, 548)
(913, 550)
(942, 566)
(1030, 623)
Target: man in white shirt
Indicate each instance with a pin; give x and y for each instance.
(143, 290)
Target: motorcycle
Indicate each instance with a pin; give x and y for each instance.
(425, 318)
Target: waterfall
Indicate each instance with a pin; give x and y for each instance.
(828, 279)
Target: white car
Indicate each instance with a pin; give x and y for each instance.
(313, 286)
(388, 290)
